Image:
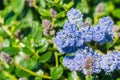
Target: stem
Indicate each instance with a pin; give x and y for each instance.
(7, 74)
(95, 19)
(115, 40)
(94, 48)
(5, 64)
(56, 58)
(31, 72)
(7, 31)
(36, 53)
(34, 5)
(88, 77)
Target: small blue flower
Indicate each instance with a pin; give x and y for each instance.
(75, 17)
(85, 60)
(68, 39)
(87, 34)
(103, 31)
(106, 25)
(99, 35)
(109, 62)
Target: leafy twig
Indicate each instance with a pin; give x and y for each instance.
(31, 72)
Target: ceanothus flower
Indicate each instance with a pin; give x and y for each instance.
(103, 31)
(106, 25)
(68, 40)
(117, 59)
(85, 60)
(86, 34)
(109, 62)
(75, 17)
(99, 35)
(73, 38)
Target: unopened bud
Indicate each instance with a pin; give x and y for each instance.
(116, 28)
(100, 8)
(5, 57)
(52, 32)
(21, 79)
(53, 13)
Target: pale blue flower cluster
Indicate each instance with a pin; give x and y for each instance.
(85, 60)
(89, 61)
(75, 17)
(73, 38)
(68, 40)
(110, 62)
(74, 35)
(103, 31)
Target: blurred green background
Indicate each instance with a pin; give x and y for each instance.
(27, 30)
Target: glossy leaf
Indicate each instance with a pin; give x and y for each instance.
(45, 57)
(56, 72)
(10, 50)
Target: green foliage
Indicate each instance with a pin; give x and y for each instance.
(10, 50)
(56, 72)
(116, 13)
(45, 56)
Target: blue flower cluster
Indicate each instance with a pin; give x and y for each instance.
(85, 60)
(110, 62)
(75, 17)
(103, 31)
(74, 37)
(90, 62)
(68, 40)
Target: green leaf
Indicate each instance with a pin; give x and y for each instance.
(2, 32)
(61, 60)
(39, 72)
(60, 23)
(10, 21)
(73, 76)
(117, 47)
(36, 33)
(3, 77)
(27, 50)
(68, 6)
(56, 72)
(43, 3)
(21, 73)
(18, 5)
(6, 43)
(45, 57)
(32, 63)
(109, 7)
(60, 15)
(38, 78)
(116, 13)
(43, 45)
(29, 17)
(7, 10)
(83, 6)
(10, 50)
(44, 12)
(29, 63)
(118, 78)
